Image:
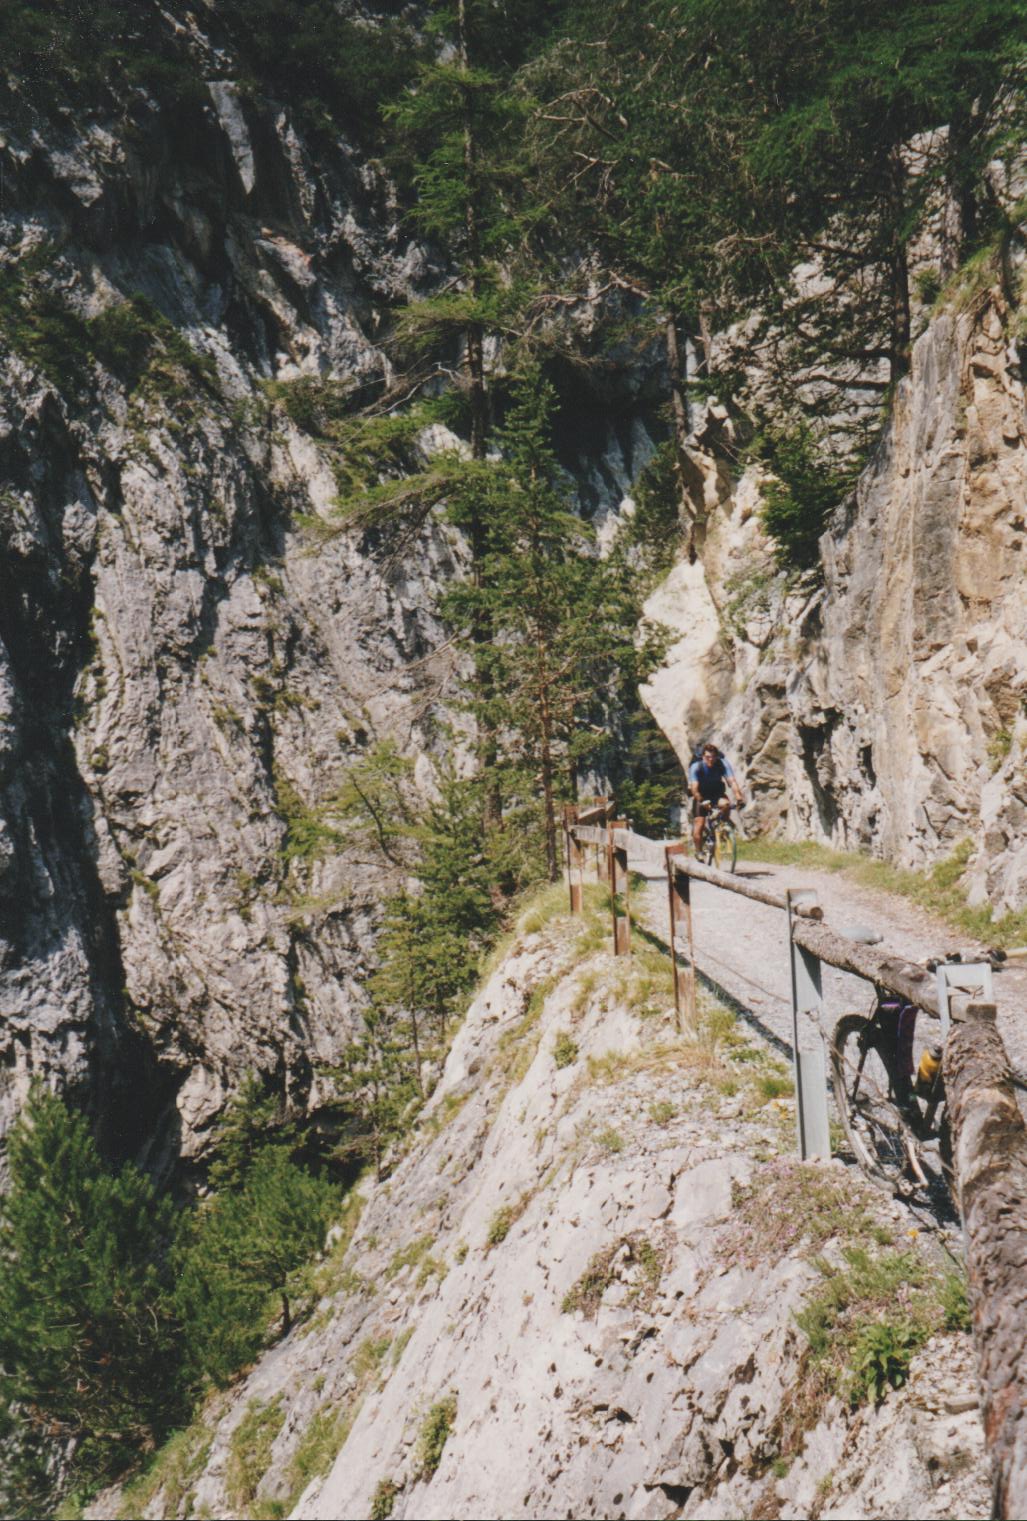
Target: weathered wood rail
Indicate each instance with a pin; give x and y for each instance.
(989, 1136)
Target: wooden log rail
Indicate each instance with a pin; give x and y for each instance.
(988, 1132)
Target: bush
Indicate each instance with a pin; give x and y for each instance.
(879, 1358)
(435, 1433)
(809, 484)
(383, 1499)
(565, 1049)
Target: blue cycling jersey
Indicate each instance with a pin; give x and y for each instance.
(711, 780)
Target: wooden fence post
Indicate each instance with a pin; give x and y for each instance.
(990, 1153)
(575, 857)
(617, 858)
(679, 898)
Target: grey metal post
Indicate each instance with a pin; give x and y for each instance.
(809, 1067)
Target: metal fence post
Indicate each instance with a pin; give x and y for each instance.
(679, 898)
(813, 1131)
(617, 857)
(575, 857)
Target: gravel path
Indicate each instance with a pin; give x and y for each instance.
(742, 948)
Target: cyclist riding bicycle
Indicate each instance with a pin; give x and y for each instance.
(709, 777)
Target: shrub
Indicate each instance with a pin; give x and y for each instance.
(565, 1049)
(808, 485)
(383, 1499)
(435, 1432)
(880, 1357)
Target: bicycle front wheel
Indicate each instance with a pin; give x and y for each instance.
(882, 1142)
(728, 836)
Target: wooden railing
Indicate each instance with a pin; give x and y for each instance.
(988, 1131)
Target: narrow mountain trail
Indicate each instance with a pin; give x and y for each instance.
(742, 947)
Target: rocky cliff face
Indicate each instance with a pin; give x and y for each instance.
(187, 665)
(576, 1295)
(883, 710)
(181, 675)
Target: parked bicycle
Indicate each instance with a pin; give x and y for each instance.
(718, 845)
(890, 1094)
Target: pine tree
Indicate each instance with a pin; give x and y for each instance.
(234, 1259)
(87, 1352)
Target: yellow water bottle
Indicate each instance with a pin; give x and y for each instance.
(927, 1071)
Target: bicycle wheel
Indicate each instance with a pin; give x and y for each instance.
(728, 845)
(881, 1141)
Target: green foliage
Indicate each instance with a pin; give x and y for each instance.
(879, 1359)
(806, 487)
(235, 1257)
(372, 796)
(500, 1225)
(86, 1346)
(131, 338)
(307, 836)
(98, 53)
(252, 1114)
(383, 1500)
(171, 1472)
(435, 1433)
(565, 1049)
(955, 1303)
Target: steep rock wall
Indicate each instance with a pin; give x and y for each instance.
(883, 710)
(188, 660)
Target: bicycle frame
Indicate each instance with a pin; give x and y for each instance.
(893, 1022)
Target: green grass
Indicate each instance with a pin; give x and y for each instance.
(172, 1472)
(504, 1220)
(644, 1264)
(939, 891)
(435, 1432)
(249, 1451)
(318, 1448)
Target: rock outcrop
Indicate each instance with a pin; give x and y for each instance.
(576, 1295)
(884, 709)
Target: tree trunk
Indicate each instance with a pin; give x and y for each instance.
(474, 365)
(990, 1151)
(545, 717)
(898, 274)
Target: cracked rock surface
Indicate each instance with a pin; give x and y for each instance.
(558, 1264)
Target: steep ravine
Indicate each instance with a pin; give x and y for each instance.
(884, 708)
(576, 1295)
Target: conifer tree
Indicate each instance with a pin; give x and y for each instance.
(235, 1255)
(86, 1345)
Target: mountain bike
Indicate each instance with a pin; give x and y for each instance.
(719, 843)
(890, 1094)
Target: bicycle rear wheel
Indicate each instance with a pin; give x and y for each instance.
(881, 1140)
